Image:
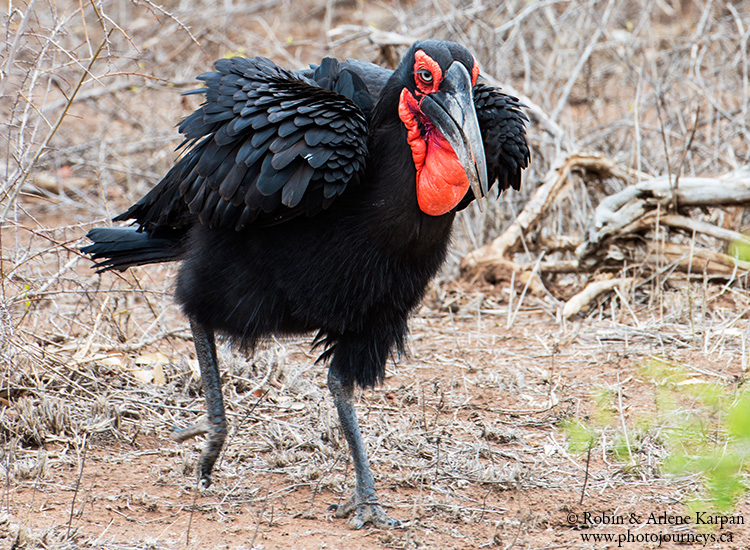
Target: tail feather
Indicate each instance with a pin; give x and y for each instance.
(122, 247)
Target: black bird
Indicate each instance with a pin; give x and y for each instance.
(320, 200)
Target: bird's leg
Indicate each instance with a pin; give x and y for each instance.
(364, 501)
(203, 426)
(215, 423)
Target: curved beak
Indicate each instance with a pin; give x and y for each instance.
(451, 110)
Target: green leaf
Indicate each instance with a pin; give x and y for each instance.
(739, 250)
(738, 418)
(580, 437)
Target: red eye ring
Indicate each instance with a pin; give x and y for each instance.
(474, 73)
(425, 76)
(427, 73)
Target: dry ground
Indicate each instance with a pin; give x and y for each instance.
(466, 436)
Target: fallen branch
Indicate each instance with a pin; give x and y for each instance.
(688, 224)
(592, 290)
(608, 240)
(635, 208)
(495, 253)
(698, 260)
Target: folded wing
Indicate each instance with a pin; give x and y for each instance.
(266, 145)
(503, 126)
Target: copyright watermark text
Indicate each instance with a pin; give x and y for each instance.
(635, 524)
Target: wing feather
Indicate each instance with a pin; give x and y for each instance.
(271, 181)
(502, 123)
(282, 159)
(297, 184)
(266, 144)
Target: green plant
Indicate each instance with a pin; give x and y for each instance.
(702, 426)
(740, 250)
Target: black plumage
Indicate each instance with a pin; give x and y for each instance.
(294, 208)
(504, 138)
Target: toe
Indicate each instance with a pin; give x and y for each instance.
(355, 522)
(343, 510)
(374, 515)
(205, 481)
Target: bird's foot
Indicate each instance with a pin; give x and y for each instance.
(217, 433)
(204, 482)
(201, 427)
(206, 465)
(364, 512)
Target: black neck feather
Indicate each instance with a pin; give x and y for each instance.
(391, 182)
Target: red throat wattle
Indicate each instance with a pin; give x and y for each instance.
(441, 179)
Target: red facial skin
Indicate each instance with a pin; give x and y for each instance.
(424, 61)
(441, 179)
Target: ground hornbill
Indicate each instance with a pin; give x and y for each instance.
(320, 200)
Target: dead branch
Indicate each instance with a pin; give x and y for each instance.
(553, 183)
(592, 290)
(698, 260)
(688, 224)
(635, 208)
(639, 208)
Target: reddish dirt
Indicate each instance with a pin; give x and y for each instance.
(465, 436)
(141, 491)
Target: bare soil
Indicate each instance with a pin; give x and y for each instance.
(467, 436)
(464, 438)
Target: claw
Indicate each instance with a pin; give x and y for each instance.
(205, 482)
(364, 513)
(374, 514)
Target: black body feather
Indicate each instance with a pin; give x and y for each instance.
(294, 208)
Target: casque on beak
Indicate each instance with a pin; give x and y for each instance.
(451, 110)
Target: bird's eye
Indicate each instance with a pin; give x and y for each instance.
(425, 76)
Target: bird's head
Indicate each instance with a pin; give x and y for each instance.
(436, 106)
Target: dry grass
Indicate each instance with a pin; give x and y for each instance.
(95, 369)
